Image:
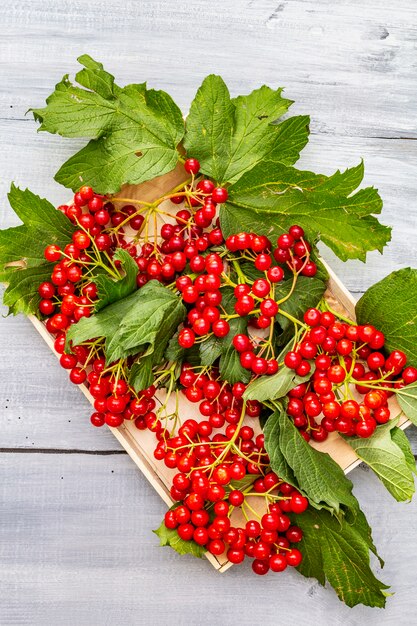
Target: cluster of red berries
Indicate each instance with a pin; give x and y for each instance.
(343, 353)
(114, 400)
(270, 542)
(220, 402)
(292, 250)
(213, 454)
(205, 295)
(208, 466)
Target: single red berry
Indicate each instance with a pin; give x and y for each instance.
(278, 563)
(244, 305)
(261, 288)
(285, 241)
(269, 307)
(294, 557)
(219, 195)
(52, 253)
(298, 503)
(192, 166)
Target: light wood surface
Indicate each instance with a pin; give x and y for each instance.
(78, 549)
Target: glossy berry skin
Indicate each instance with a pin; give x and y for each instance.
(46, 290)
(52, 253)
(294, 557)
(244, 305)
(219, 195)
(192, 166)
(278, 563)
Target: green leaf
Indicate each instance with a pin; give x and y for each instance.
(109, 290)
(134, 131)
(401, 440)
(391, 305)
(279, 384)
(407, 399)
(174, 352)
(271, 197)
(241, 484)
(277, 460)
(275, 386)
(307, 293)
(387, 460)
(104, 324)
(170, 537)
(141, 374)
(151, 323)
(21, 295)
(230, 136)
(338, 551)
(143, 321)
(231, 369)
(213, 347)
(42, 225)
(318, 476)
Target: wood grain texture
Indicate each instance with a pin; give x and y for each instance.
(351, 56)
(75, 541)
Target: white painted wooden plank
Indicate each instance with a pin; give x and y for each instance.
(39, 407)
(76, 547)
(350, 57)
(31, 159)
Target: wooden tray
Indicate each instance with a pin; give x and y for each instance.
(140, 444)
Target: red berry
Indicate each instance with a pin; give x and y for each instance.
(52, 253)
(219, 194)
(294, 557)
(278, 563)
(244, 305)
(192, 166)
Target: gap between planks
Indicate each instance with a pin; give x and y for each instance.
(60, 451)
(311, 134)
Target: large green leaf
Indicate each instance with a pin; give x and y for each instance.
(230, 136)
(277, 460)
(401, 440)
(42, 225)
(271, 197)
(338, 551)
(391, 305)
(319, 477)
(141, 322)
(134, 131)
(387, 459)
(275, 386)
(21, 295)
(169, 537)
(150, 323)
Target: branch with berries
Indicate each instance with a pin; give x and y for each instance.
(214, 293)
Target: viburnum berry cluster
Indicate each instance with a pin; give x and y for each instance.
(220, 460)
(206, 317)
(344, 355)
